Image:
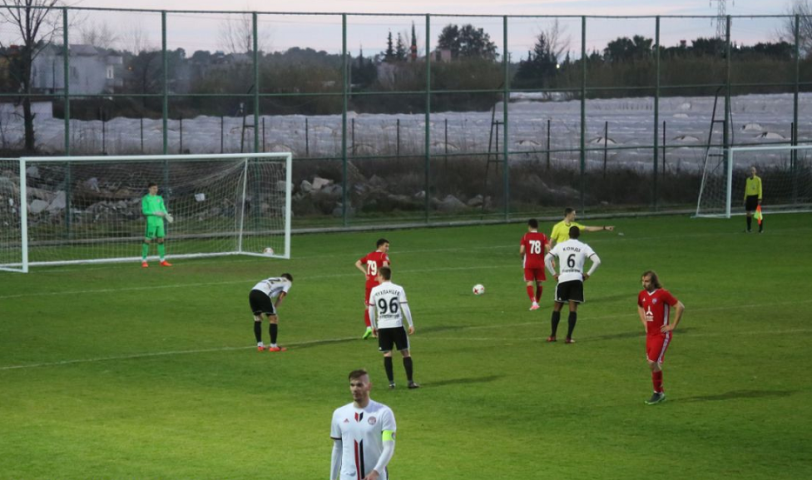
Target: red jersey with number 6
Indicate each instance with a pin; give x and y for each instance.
(374, 261)
(657, 306)
(534, 249)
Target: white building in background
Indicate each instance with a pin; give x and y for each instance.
(92, 70)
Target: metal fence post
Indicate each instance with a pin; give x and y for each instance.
(655, 148)
(66, 82)
(344, 182)
(255, 42)
(583, 110)
(505, 104)
(428, 117)
(794, 155)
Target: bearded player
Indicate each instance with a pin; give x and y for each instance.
(654, 307)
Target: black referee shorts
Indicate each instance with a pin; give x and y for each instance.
(751, 203)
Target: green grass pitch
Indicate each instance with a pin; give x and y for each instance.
(114, 372)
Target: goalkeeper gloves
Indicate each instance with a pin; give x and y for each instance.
(158, 213)
(169, 218)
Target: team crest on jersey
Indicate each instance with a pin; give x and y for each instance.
(654, 301)
(372, 420)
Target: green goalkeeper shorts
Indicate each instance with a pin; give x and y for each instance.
(155, 230)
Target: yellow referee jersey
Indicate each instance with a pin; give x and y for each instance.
(752, 187)
(561, 231)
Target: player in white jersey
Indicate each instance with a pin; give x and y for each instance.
(363, 434)
(261, 302)
(387, 308)
(572, 255)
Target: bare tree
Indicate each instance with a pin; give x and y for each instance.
(236, 35)
(136, 40)
(35, 27)
(98, 35)
(559, 42)
(803, 9)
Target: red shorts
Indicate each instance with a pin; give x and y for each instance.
(656, 346)
(369, 288)
(536, 274)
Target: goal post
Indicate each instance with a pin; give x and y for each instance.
(785, 171)
(72, 210)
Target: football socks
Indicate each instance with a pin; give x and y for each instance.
(530, 293)
(407, 364)
(258, 331)
(554, 322)
(161, 251)
(571, 323)
(387, 365)
(657, 381)
(274, 329)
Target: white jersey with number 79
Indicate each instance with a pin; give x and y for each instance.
(572, 255)
(388, 299)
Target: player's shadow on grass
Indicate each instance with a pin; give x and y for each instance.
(736, 394)
(466, 381)
(446, 328)
(319, 343)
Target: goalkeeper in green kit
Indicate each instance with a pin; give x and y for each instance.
(153, 208)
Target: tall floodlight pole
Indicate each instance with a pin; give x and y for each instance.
(721, 15)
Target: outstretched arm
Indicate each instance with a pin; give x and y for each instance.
(599, 229)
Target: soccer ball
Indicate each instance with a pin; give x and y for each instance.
(268, 251)
(479, 289)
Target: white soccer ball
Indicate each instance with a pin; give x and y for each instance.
(479, 289)
(268, 251)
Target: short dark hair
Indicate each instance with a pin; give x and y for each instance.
(654, 278)
(568, 210)
(533, 223)
(357, 374)
(381, 241)
(288, 276)
(575, 232)
(386, 273)
(151, 184)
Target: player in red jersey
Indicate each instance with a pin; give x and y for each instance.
(369, 266)
(533, 247)
(654, 307)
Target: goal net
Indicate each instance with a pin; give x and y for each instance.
(786, 176)
(89, 209)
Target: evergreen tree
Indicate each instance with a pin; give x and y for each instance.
(413, 47)
(400, 49)
(389, 55)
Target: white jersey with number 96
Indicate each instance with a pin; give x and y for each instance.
(388, 299)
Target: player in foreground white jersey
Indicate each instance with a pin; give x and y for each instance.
(572, 255)
(363, 434)
(261, 302)
(387, 307)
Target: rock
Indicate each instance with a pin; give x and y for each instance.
(37, 206)
(58, 202)
(319, 183)
(32, 171)
(451, 203)
(378, 182)
(92, 184)
(338, 211)
(306, 186)
(420, 195)
(280, 186)
(476, 201)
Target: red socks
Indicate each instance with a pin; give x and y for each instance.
(657, 381)
(530, 294)
(366, 318)
(538, 293)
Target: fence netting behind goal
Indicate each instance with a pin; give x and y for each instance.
(786, 177)
(92, 210)
(10, 228)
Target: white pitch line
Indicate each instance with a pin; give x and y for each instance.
(429, 337)
(236, 282)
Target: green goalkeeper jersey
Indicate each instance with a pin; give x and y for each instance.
(151, 204)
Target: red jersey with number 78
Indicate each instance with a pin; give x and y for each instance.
(534, 249)
(374, 261)
(657, 307)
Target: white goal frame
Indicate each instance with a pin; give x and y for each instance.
(24, 264)
(730, 156)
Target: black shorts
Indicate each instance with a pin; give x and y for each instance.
(387, 337)
(261, 303)
(751, 203)
(572, 291)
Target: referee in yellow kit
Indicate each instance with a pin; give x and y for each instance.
(561, 230)
(752, 198)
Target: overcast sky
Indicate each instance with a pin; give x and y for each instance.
(280, 32)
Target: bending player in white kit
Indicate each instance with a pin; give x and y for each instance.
(387, 307)
(261, 304)
(363, 434)
(572, 255)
